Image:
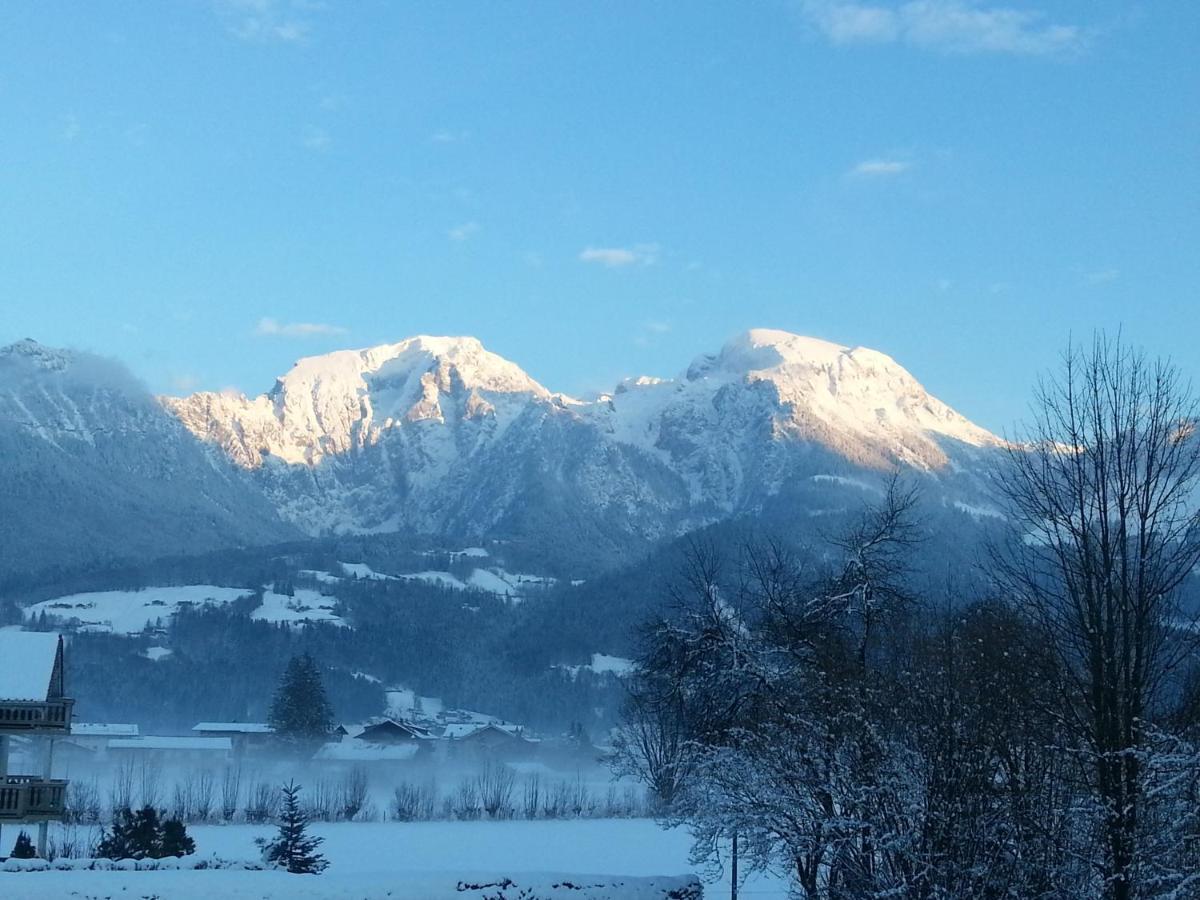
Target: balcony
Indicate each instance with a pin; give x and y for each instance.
(36, 716)
(31, 798)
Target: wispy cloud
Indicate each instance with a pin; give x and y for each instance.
(464, 231)
(268, 327)
(70, 127)
(316, 139)
(1103, 276)
(184, 382)
(947, 26)
(617, 257)
(446, 136)
(879, 168)
(267, 21)
(649, 331)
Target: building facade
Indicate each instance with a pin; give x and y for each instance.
(33, 707)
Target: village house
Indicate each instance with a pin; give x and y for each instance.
(242, 735)
(94, 736)
(33, 705)
(489, 740)
(172, 750)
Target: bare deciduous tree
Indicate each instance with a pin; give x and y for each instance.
(1104, 483)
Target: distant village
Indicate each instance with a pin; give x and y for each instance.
(447, 736)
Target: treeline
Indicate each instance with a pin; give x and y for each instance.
(469, 649)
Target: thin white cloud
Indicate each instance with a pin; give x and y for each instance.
(267, 21)
(70, 127)
(947, 26)
(1103, 276)
(268, 327)
(649, 331)
(879, 168)
(446, 136)
(316, 139)
(184, 382)
(617, 257)
(464, 231)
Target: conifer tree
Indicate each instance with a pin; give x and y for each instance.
(142, 834)
(175, 839)
(301, 710)
(294, 849)
(23, 848)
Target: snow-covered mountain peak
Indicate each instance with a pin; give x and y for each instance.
(440, 433)
(328, 405)
(449, 360)
(29, 350)
(768, 348)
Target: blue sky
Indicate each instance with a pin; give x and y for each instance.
(209, 190)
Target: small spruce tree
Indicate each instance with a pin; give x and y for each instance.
(301, 710)
(294, 849)
(23, 848)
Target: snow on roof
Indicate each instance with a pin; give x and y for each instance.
(99, 729)
(359, 751)
(413, 730)
(158, 742)
(460, 730)
(238, 727)
(27, 664)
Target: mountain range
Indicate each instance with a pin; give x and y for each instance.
(439, 436)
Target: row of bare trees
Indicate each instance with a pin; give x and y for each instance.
(204, 795)
(1036, 734)
(495, 792)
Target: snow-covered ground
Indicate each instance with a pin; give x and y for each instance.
(304, 606)
(603, 663)
(406, 861)
(128, 612)
(495, 580)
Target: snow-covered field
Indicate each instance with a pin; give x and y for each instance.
(405, 861)
(128, 612)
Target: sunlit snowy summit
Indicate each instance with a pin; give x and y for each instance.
(439, 434)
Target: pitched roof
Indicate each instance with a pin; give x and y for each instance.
(409, 729)
(239, 727)
(363, 752)
(97, 729)
(460, 730)
(27, 664)
(159, 742)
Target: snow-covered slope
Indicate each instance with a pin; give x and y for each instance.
(440, 435)
(93, 470)
(731, 425)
